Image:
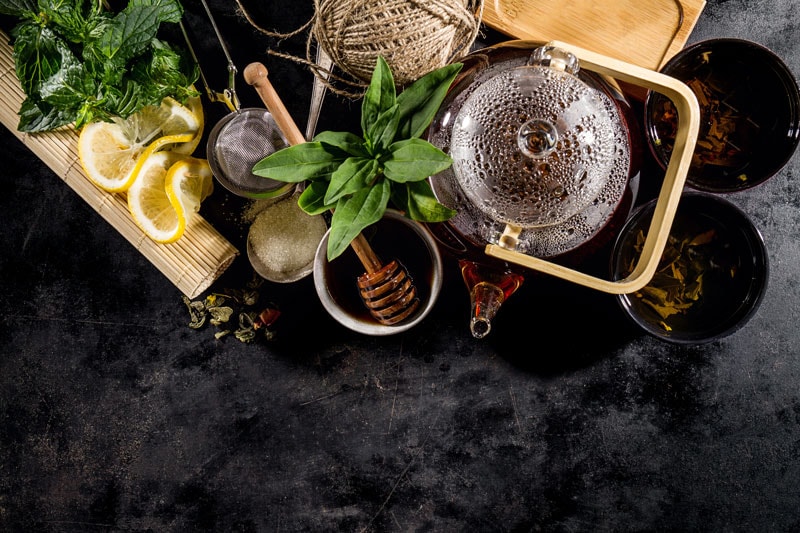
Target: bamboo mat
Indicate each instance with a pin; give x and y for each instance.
(192, 263)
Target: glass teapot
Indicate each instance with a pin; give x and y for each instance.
(546, 159)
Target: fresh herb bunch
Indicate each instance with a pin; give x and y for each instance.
(78, 62)
(356, 177)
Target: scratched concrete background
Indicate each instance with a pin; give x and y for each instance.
(116, 416)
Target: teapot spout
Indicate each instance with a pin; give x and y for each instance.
(485, 299)
(489, 287)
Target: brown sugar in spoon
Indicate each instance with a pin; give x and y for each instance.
(387, 290)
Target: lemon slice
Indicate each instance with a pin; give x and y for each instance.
(195, 107)
(188, 183)
(110, 151)
(167, 191)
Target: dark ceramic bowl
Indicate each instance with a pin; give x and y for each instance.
(711, 277)
(750, 114)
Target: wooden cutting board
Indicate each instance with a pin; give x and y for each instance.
(646, 33)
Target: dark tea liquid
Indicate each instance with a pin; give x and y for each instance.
(749, 115)
(706, 275)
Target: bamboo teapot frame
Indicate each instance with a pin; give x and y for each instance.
(668, 198)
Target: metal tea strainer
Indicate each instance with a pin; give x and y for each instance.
(241, 138)
(239, 141)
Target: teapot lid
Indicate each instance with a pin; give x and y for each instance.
(535, 145)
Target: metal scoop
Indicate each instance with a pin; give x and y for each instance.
(387, 290)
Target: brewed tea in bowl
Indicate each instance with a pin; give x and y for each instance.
(750, 114)
(711, 277)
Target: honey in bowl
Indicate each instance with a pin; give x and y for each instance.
(393, 236)
(750, 114)
(711, 276)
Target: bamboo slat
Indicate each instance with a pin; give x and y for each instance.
(192, 263)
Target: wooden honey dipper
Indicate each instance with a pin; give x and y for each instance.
(387, 290)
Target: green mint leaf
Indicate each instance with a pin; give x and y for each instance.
(18, 8)
(421, 100)
(306, 161)
(41, 116)
(421, 204)
(381, 133)
(70, 87)
(115, 101)
(74, 20)
(414, 160)
(167, 10)
(38, 55)
(124, 66)
(99, 24)
(312, 199)
(164, 71)
(345, 141)
(128, 36)
(380, 96)
(353, 174)
(133, 29)
(354, 213)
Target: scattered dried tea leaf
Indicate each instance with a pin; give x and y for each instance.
(220, 315)
(221, 306)
(266, 318)
(726, 133)
(197, 313)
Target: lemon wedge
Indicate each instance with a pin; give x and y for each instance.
(195, 107)
(188, 183)
(110, 152)
(167, 191)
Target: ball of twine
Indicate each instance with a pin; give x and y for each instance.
(413, 36)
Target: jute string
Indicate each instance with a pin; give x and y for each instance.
(414, 36)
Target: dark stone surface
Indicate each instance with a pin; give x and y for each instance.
(115, 416)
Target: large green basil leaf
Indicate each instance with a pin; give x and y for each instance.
(354, 174)
(414, 160)
(381, 133)
(380, 96)
(343, 140)
(306, 161)
(312, 199)
(421, 204)
(354, 213)
(421, 100)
